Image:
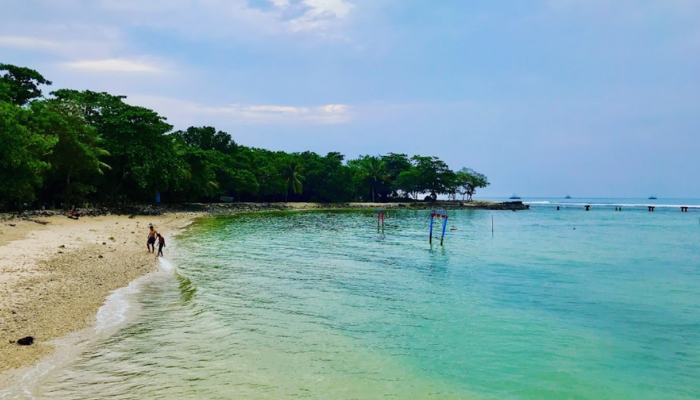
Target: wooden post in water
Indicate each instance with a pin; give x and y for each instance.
(431, 228)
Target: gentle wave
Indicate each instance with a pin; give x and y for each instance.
(113, 312)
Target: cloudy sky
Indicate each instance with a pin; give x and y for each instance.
(547, 97)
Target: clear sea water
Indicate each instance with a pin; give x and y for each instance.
(320, 305)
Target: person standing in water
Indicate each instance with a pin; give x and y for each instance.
(151, 243)
(161, 244)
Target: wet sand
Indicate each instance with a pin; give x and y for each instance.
(55, 277)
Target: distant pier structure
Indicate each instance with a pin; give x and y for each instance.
(650, 208)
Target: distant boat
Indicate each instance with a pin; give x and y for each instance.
(515, 197)
(652, 197)
(567, 197)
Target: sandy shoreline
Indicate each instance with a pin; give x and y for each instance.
(55, 277)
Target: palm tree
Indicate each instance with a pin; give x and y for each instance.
(375, 171)
(293, 179)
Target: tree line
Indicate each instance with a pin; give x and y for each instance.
(75, 147)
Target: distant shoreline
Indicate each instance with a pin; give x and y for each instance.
(224, 208)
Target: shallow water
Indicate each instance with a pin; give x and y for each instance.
(553, 305)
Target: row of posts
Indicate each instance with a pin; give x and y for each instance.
(651, 208)
(442, 214)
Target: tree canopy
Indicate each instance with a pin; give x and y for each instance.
(75, 147)
(20, 85)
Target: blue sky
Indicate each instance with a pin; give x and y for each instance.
(547, 97)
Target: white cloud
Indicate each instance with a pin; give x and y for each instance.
(116, 65)
(231, 17)
(25, 42)
(319, 15)
(330, 114)
(280, 3)
(191, 113)
(71, 39)
(335, 8)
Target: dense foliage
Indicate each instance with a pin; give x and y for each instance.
(76, 147)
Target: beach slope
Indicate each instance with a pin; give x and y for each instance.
(56, 272)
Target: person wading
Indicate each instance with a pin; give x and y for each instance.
(161, 244)
(151, 244)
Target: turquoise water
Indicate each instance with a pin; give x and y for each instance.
(553, 305)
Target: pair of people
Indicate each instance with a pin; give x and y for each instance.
(153, 235)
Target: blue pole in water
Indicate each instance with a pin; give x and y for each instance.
(431, 229)
(444, 226)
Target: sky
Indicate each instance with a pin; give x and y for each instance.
(592, 98)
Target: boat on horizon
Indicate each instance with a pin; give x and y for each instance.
(515, 197)
(652, 197)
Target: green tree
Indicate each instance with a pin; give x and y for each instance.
(411, 183)
(469, 180)
(326, 178)
(395, 165)
(5, 96)
(375, 172)
(22, 155)
(20, 84)
(77, 156)
(142, 155)
(85, 145)
(293, 178)
(436, 176)
(265, 167)
(201, 167)
(207, 138)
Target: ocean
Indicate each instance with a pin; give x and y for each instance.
(549, 304)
